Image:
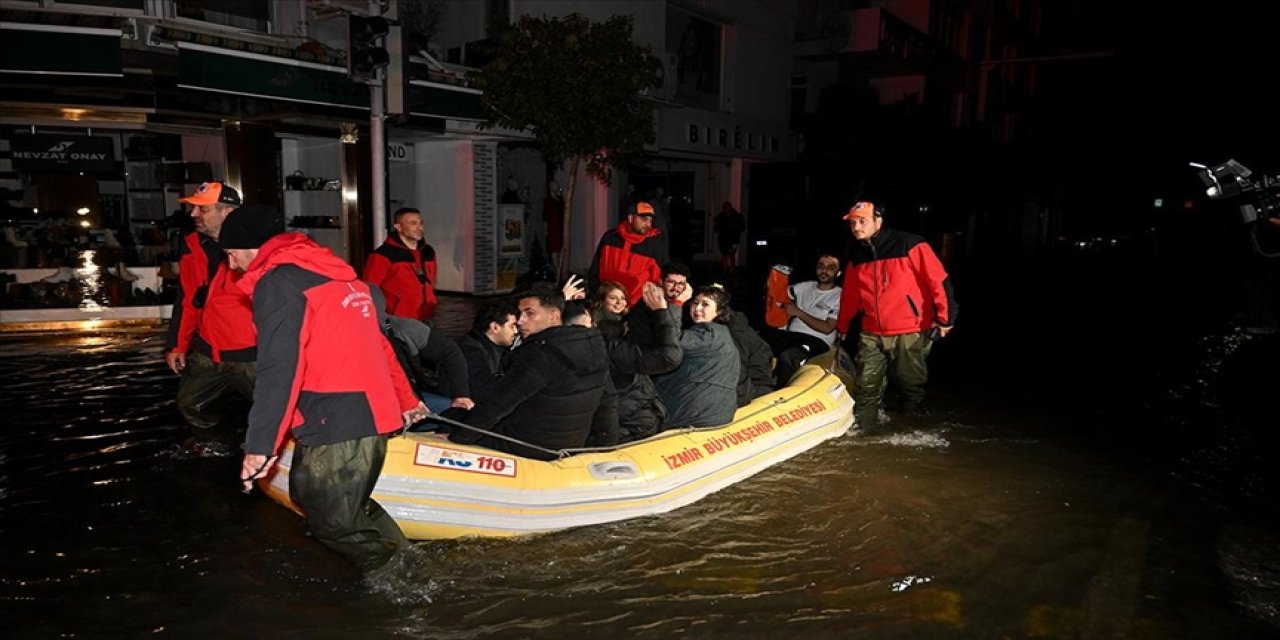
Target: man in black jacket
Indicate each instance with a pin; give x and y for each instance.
(553, 394)
(488, 345)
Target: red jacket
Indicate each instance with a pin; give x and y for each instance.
(406, 276)
(898, 285)
(325, 369)
(212, 315)
(628, 258)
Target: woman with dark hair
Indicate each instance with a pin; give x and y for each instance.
(702, 391)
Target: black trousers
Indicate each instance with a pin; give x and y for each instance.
(792, 349)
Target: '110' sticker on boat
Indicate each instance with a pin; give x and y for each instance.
(441, 458)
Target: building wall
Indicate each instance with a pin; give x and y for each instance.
(749, 121)
(402, 183)
(463, 21)
(484, 172)
(757, 41)
(445, 193)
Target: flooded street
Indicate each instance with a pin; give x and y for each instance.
(1016, 509)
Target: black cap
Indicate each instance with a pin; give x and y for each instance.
(250, 226)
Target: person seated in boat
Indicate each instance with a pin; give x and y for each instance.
(812, 308)
(755, 377)
(604, 430)
(487, 346)
(702, 391)
(553, 395)
(677, 288)
(432, 362)
(608, 303)
(652, 348)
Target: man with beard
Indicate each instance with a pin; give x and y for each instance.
(211, 342)
(630, 254)
(811, 322)
(895, 281)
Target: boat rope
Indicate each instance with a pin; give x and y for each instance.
(558, 453)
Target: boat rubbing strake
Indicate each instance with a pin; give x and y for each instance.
(437, 489)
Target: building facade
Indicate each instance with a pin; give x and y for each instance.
(161, 95)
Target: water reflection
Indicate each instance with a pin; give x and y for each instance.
(89, 276)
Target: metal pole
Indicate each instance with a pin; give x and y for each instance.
(378, 161)
(377, 142)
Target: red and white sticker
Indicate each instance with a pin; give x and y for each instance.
(441, 458)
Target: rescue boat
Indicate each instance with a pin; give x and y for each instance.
(437, 489)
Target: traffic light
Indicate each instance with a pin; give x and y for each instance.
(365, 51)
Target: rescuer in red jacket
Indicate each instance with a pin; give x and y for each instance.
(899, 287)
(630, 254)
(404, 267)
(211, 341)
(329, 379)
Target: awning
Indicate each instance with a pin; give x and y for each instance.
(243, 73)
(437, 100)
(59, 50)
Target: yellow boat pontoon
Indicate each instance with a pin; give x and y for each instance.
(437, 489)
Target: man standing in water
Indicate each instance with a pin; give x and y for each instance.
(211, 341)
(898, 285)
(328, 375)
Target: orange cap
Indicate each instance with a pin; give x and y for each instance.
(862, 209)
(643, 209)
(213, 192)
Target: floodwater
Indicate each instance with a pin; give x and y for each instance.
(1010, 512)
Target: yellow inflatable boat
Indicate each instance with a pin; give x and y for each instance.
(437, 489)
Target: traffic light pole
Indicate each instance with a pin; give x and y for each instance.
(377, 122)
(378, 160)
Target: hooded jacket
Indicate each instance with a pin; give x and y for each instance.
(553, 395)
(630, 259)
(406, 276)
(325, 370)
(702, 391)
(213, 316)
(897, 283)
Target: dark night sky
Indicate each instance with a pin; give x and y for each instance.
(1184, 83)
(1181, 85)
